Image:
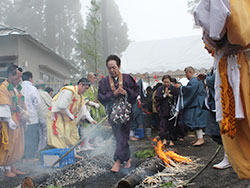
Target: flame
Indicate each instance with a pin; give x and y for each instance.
(167, 156)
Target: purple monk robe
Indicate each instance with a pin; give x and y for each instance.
(107, 98)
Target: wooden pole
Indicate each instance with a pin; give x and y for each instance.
(79, 142)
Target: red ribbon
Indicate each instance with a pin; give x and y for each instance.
(54, 125)
(71, 107)
(139, 103)
(146, 112)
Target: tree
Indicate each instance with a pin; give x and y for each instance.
(105, 33)
(114, 30)
(62, 22)
(26, 15)
(53, 22)
(89, 39)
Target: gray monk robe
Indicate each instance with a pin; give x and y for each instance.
(107, 98)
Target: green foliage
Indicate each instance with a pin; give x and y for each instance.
(89, 39)
(167, 184)
(53, 187)
(143, 154)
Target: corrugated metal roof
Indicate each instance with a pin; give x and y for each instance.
(6, 30)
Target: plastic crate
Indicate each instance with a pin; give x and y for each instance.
(49, 157)
(139, 133)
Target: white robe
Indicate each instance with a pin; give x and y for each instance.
(218, 11)
(62, 103)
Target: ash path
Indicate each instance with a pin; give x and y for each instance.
(208, 179)
(105, 180)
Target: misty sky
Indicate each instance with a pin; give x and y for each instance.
(154, 19)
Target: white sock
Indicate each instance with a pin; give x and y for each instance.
(225, 157)
(132, 133)
(199, 133)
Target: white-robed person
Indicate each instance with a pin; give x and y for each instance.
(66, 109)
(227, 33)
(46, 101)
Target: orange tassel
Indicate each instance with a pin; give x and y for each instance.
(228, 123)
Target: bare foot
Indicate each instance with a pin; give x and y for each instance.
(199, 142)
(133, 138)
(181, 139)
(191, 134)
(78, 156)
(171, 143)
(164, 142)
(128, 164)
(9, 174)
(116, 167)
(17, 172)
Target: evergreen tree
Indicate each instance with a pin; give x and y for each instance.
(62, 22)
(115, 37)
(53, 22)
(26, 15)
(105, 33)
(89, 40)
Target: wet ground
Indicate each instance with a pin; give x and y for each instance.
(210, 178)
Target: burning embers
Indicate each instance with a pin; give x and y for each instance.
(168, 156)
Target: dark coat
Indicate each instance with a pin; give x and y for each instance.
(107, 98)
(164, 103)
(212, 127)
(105, 93)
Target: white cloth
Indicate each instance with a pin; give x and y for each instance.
(63, 101)
(233, 73)
(212, 15)
(92, 88)
(234, 81)
(5, 115)
(32, 101)
(11, 123)
(46, 101)
(84, 114)
(218, 107)
(69, 114)
(94, 104)
(5, 111)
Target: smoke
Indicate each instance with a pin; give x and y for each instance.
(106, 147)
(102, 137)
